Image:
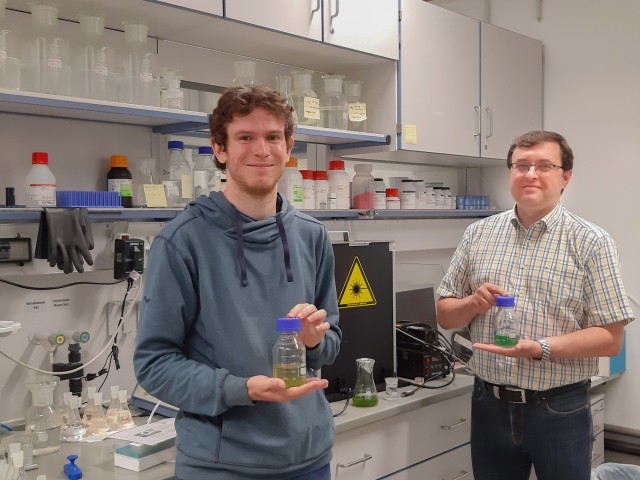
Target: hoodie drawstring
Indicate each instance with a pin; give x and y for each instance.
(285, 247)
(240, 250)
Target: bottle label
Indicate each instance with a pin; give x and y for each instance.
(146, 77)
(42, 194)
(120, 185)
(101, 70)
(357, 112)
(187, 191)
(312, 108)
(54, 63)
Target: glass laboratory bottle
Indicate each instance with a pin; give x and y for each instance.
(245, 73)
(365, 393)
(206, 177)
(74, 430)
(43, 417)
(290, 183)
(305, 101)
(119, 179)
(123, 418)
(506, 323)
(98, 422)
(333, 103)
(9, 58)
(356, 108)
(46, 57)
(41, 183)
(289, 354)
(362, 191)
(283, 86)
(171, 95)
(94, 62)
(179, 176)
(139, 83)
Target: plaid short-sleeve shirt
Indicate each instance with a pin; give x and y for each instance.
(565, 276)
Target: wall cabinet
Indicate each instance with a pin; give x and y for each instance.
(213, 7)
(466, 87)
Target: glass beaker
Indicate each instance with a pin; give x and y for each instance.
(365, 393)
(245, 73)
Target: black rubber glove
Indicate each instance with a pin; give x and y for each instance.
(66, 235)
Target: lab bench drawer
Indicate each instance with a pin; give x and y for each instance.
(453, 465)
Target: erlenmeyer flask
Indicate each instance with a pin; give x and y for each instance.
(365, 393)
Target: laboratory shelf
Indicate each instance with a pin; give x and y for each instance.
(430, 214)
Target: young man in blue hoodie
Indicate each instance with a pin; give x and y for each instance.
(218, 277)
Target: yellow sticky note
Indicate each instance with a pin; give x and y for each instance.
(154, 195)
(410, 135)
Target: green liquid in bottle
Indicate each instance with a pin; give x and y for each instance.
(503, 341)
(365, 400)
(290, 374)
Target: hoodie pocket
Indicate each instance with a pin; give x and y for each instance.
(198, 436)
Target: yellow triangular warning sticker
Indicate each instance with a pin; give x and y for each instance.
(356, 291)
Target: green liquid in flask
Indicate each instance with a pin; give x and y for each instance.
(365, 400)
(504, 341)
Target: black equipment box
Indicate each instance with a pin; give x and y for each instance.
(417, 361)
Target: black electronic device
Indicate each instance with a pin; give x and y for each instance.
(419, 353)
(128, 256)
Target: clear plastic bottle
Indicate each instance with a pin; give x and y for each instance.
(94, 62)
(333, 104)
(43, 417)
(245, 73)
(321, 181)
(308, 190)
(339, 184)
(305, 101)
(289, 354)
(46, 58)
(179, 175)
(123, 418)
(98, 422)
(379, 194)
(506, 322)
(357, 109)
(9, 56)
(290, 183)
(407, 195)
(74, 430)
(41, 183)
(362, 190)
(140, 83)
(206, 177)
(283, 86)
(119, 179)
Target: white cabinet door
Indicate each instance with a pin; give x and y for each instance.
(296, 17)
(213, 7)
(369, 26)
(453, 465)
(439, 80)
(511, 93)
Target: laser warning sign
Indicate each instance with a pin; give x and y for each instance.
(356, 291)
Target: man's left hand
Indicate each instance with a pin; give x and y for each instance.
(524, 349)
(313, 324)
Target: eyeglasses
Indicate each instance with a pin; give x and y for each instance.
(524, 168)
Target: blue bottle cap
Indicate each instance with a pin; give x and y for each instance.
(176, 144)
(505, 301)
(288, 324)
(205, 151)
(71, 470)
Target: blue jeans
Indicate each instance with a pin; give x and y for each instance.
(553, 434)
(322, 473)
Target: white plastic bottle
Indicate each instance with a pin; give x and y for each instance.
(308, 190)
(140, 83)
(362, 191)
(41, 183)
(393, 201)
(290, 183)
(321, 180)
(379, 194)
(407, 195)
(179, 189)
(421, 194)
(339, 184)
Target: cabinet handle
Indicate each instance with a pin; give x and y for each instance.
(463, 474)
(455, 425)
(477, 132)
(601, 409)
(355, 462)
(490, 119)
(316, 9)
(331, 29)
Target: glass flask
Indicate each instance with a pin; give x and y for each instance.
(305, 101)
(245, 73)
(506, 323)
(365, 393)
(289, 354)
(357, 109)
(9, 58)
(139, 83)
(98, 422)
(74, 430)
(333, 103)
(123, 418)
(88, 411)
(283, 86)
(46, 57)
(43, 417)
(112, 411)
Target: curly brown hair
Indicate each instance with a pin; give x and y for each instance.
(536, 137)
(241, 101)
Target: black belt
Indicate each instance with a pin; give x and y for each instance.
(512, 394)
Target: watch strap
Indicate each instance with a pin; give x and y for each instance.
(546, 350)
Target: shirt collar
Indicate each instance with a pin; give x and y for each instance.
(547, 222)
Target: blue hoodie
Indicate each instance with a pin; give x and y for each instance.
(215, 283)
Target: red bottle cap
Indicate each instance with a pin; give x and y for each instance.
(336, 165)
(392, 192)
(320, 175)
(40, 158)
(307, 174)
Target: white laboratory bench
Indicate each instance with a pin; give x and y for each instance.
(441, 415)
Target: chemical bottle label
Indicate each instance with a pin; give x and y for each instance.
(120, 185)
(312, 108)
(43, 195)
(357, 112)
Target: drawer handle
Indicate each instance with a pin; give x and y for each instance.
(464, 474)
(598, 411)
(596, 457)
(455, 425)
(355, 462)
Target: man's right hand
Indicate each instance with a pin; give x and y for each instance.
(267, 389)
(484, 298)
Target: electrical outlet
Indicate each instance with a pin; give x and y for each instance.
(130, 321)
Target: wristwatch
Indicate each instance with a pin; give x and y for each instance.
(546, 350)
